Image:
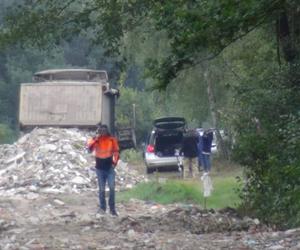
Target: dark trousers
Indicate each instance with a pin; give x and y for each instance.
(206, 162)
(103, 176)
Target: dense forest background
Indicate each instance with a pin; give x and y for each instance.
(19, 61)
(231, 65)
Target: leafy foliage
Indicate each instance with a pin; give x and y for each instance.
(269, 145)
(7, 135)
(195, 29)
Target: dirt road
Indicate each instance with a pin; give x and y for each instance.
(70, 221)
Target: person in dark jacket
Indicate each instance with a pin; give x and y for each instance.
(190, 152)
(200, 148)
(207, 139)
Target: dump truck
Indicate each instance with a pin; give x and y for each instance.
(79, 98)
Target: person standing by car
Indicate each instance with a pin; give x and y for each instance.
(200, 149)
(106, 149)
(207, 139)
(190, 152)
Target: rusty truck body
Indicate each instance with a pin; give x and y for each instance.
(79, 98)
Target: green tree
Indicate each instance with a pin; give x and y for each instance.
(191, 26)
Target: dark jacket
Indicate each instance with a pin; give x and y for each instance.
(207, 139)
(189, 146)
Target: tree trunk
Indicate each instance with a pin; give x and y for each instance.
(215, 116)
(284, 36)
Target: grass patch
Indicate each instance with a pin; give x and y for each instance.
(133, 156)
(224, 194)
(182, 191)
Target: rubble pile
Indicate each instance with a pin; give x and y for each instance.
(5, 225)
(53, 160)
(186, 217)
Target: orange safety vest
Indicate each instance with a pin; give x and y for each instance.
(105, 146)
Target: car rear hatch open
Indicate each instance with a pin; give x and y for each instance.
(168, 135)
(169, 123)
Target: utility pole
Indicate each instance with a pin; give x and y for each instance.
(134, 115)
(214, 113)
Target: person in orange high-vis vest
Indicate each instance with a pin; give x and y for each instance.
(106, 150)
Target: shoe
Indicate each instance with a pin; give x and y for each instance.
(113, 213)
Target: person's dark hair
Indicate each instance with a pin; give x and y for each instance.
(101, 128)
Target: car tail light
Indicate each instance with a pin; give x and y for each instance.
(150, 148)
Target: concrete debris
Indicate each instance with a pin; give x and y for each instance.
(5, 225)
(53, 161)
(182, 217)
(67, 221)
(59, 202)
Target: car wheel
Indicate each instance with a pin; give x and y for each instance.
(149, 170)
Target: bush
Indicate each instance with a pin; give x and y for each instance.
(268, 145)
(7, 135)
